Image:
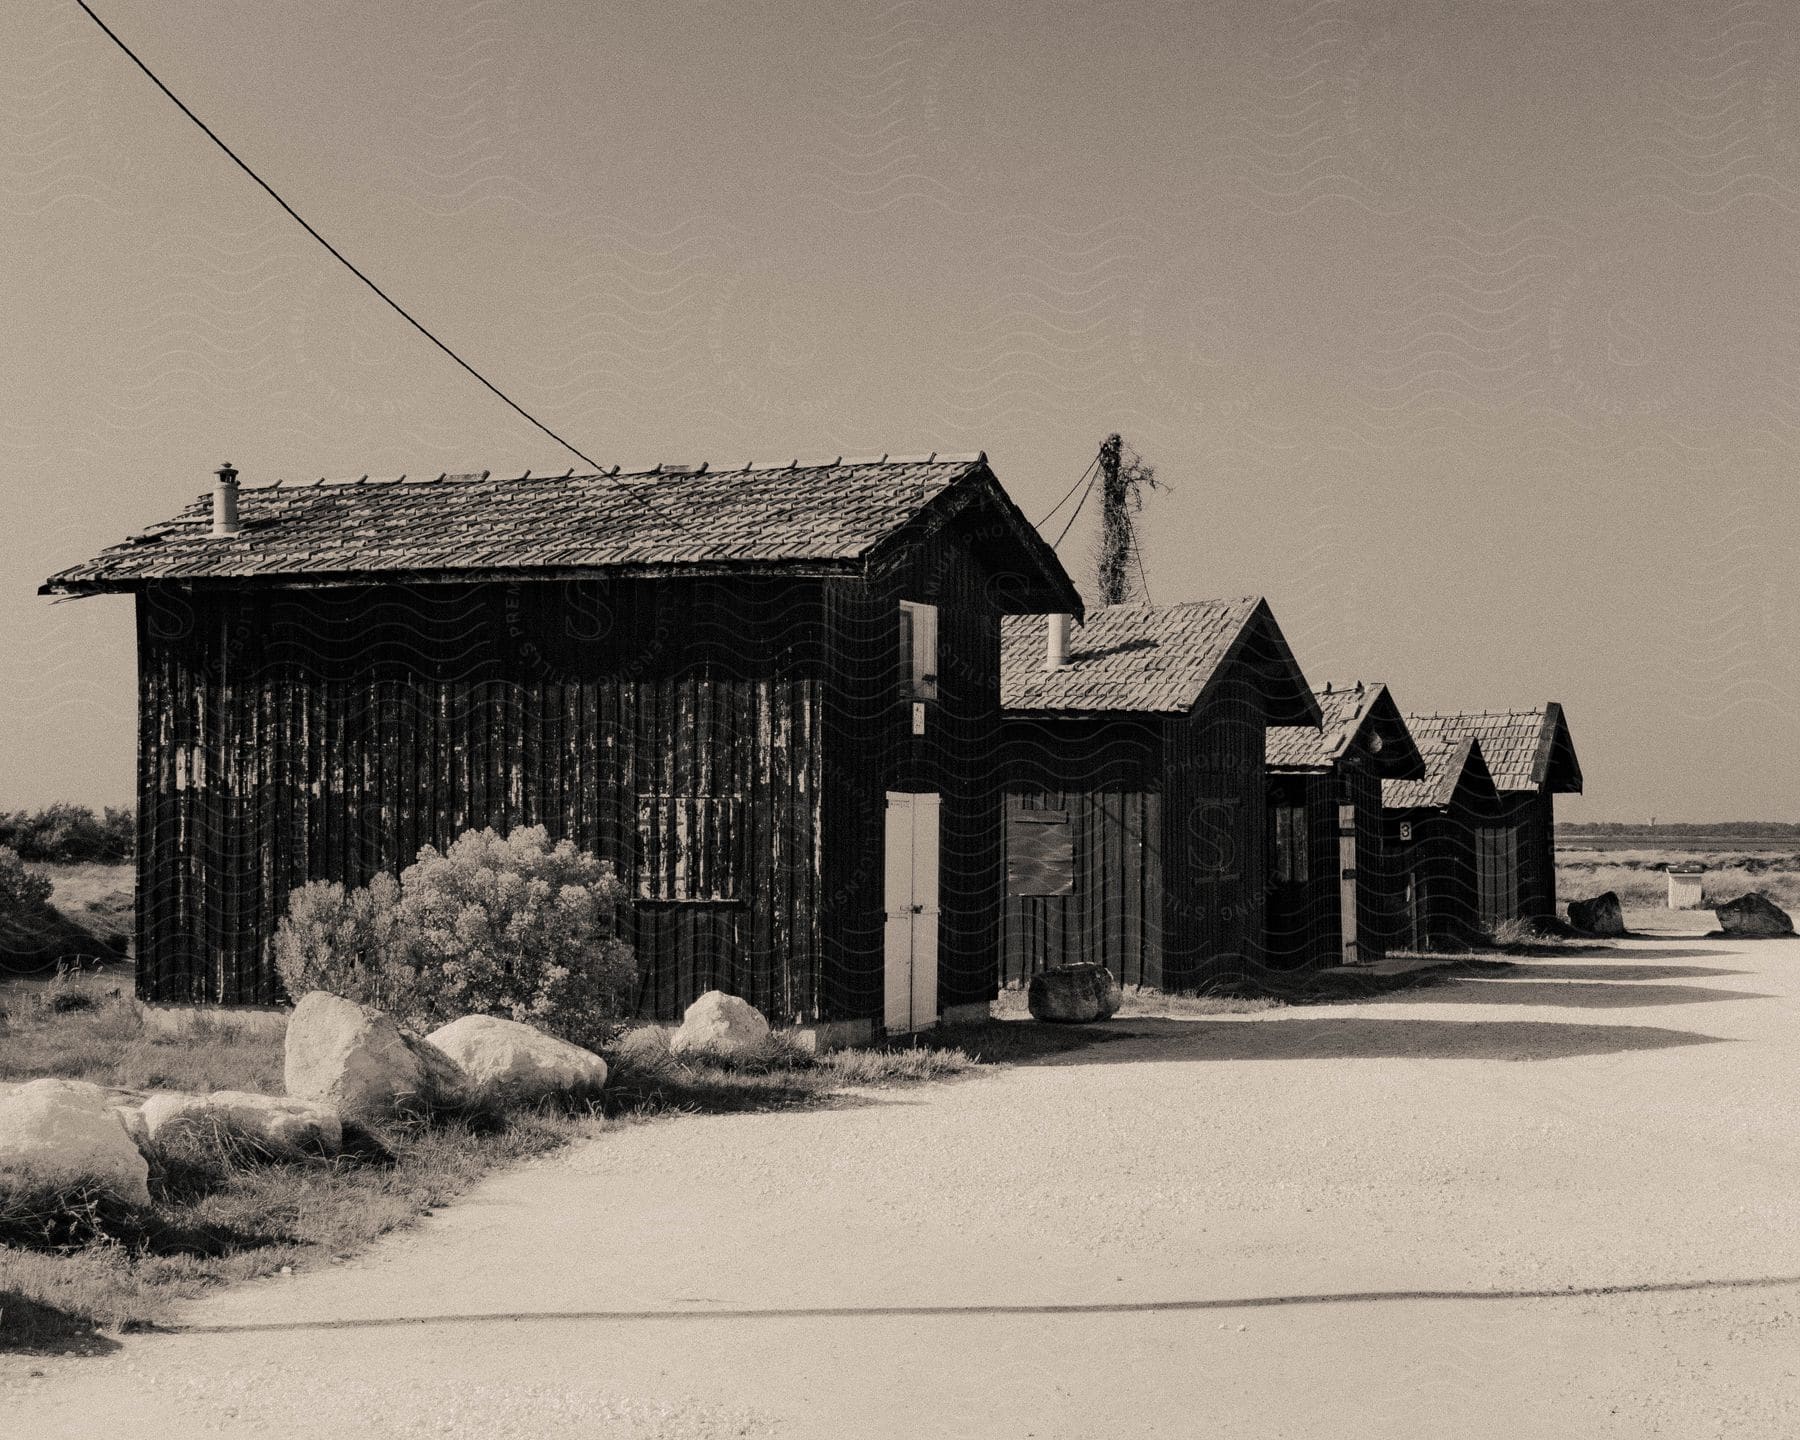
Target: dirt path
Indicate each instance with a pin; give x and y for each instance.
(1358, 1220)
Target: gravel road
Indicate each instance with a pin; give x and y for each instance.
(1555, 1202)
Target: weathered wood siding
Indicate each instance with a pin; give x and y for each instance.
(1302, 918)
(328, 734)
(1106, 772)
(1532, 817)
(870, 749)
(1214, 838)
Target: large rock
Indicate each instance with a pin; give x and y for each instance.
(279, 1125)
(1603, 915)
(513, 1063)
(1753, 914)
(355, 1059)
(67, 1135)
(1072, 994)
(722, 1025)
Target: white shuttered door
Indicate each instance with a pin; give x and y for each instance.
(911, 928)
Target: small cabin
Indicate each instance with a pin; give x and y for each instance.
(1326, 831)
(1687, 886)
(1132, 764)
(1436, 831)
(767, 694)
(1532, 759)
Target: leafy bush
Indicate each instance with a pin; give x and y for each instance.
(20, 891)
(497, 925)
(347, 942)
(70, 833)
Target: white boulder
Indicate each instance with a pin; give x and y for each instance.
(510, 1061)
(722, 1025)
(355, 1059)
(67, 1134)
(278, 1124)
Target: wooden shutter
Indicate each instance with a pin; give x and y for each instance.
(1040, 851)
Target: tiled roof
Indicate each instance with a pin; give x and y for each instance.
(1300, 747)
(828, 515)
(1519, 746)
(1446, 757)
(1141, 658)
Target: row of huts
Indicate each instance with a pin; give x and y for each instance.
(844, 729)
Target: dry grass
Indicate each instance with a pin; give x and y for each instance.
(105, 1041)
(96, 896)
(1637, 876)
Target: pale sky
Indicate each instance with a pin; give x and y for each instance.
(1466, 333)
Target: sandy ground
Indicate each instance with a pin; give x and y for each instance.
(1559, 1202)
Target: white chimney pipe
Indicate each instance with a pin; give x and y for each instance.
(225, 498)
(1056, 649)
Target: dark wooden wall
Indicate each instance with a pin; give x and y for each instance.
(1532, 816)
(1301, 918)
(1106, 771)
(328, 734)
(870, 749)
(1182, 910)
(1214, 838)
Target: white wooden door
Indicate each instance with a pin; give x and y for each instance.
(1347, 882)
(910, 934)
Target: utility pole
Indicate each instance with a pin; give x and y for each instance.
(1123, 476)
(1115, 525)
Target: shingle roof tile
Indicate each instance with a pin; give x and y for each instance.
(1140, 658)
(829, 513)
(1516, 744)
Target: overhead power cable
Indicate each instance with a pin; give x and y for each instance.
(1075, 514)
(1039, 524)
(347, 263)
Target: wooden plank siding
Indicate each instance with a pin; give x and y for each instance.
(1182, 908)
(293, 736)
(869, 745)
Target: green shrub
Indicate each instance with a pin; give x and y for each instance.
(348, 942)
(497, 925)
(21, 892)
(70, 833)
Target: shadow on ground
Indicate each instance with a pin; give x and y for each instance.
(1298, 1036)
(1536, 971)
(30, 1327)
(1528, 988)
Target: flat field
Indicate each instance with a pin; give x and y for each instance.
(1638, 876)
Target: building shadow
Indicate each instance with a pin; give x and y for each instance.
(1529, 989)
(1618, 972)
(1319, 1037)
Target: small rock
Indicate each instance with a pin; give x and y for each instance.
(1074, 994)
(1753, 914)
(513, 1063)
(66, 1134)
(355, 1059)
(279, 1124)
(720, 1024)
(1602, 915)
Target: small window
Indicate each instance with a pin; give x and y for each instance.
(689, 847)
(1287, 833)
(919, 649)
(1040, 851)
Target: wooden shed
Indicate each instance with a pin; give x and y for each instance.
(1532, 759)
(1134, 810)
(1428, 890)
(768, 695)
(1326, 833)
